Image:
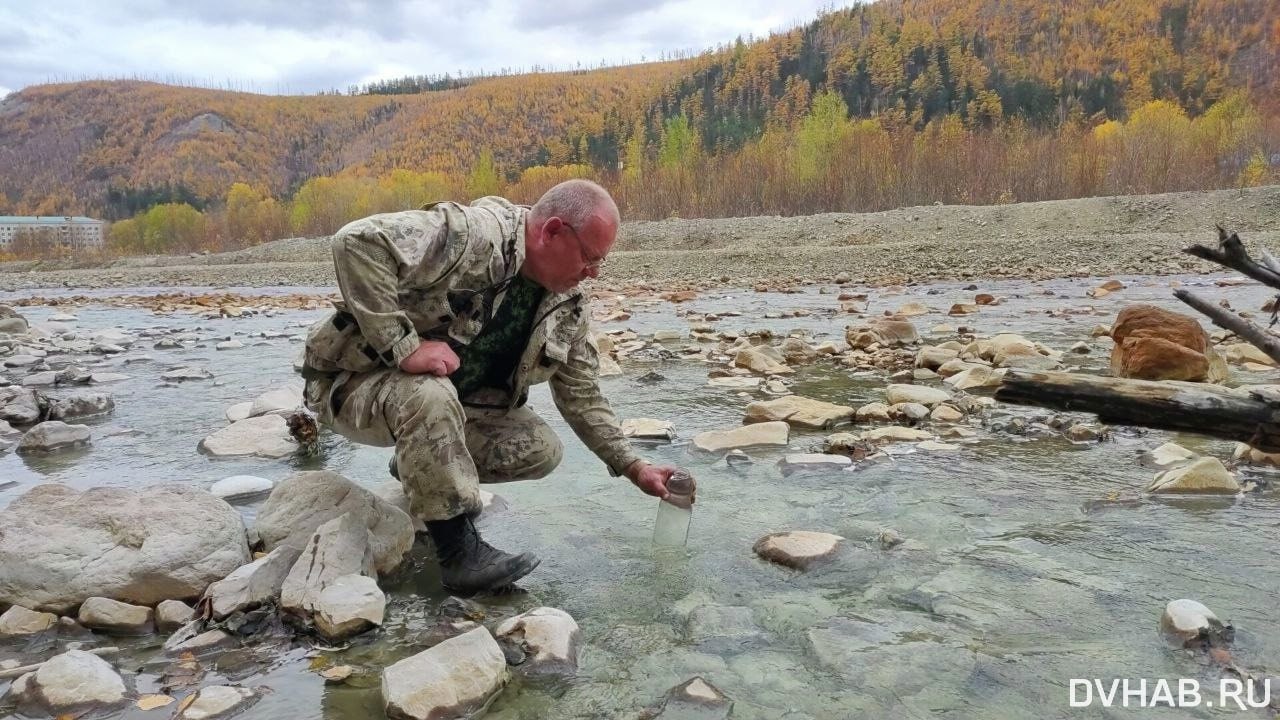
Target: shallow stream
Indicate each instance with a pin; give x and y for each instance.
(1032, 560)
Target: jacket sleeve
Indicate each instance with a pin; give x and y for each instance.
(368, 279)
(575, 387)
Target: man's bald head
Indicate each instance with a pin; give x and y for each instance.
(575, 202)
(568, 233)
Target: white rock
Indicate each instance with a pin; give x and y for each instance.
(935, 446)
(216, 701)
(18, 620)
(288, 397)
(239, 411)
(765, 434)
(141, 546)
(173, 614)
(266, 436)
(1206, 475)
(798, 549)
(648, 429)
(799, 411)
(1256, 457)
(548, 637)
(107, 377)
(735, 382)
(695, 698)
(338, 547)
(608, 366)
(115, 617)
(453, 679)
(302, 502)
(347, 606)
(20, 406)
(251, 585)
(1186, 622)
(946, 414)
(229, 345)
(53, 436)
(190, 639)
(926, 396)
(809, 462)
(62, 317)
(240, 486)
(74, 680)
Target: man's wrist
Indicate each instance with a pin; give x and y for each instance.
(632, 471)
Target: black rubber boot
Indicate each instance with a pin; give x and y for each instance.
(470, 565)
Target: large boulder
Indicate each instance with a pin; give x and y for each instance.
(927, 396)
(53, 436)
(59, 546)
(22, 406)
(758, 361)
(304, 501)
(1206, 475)
(337, 548)
(450, 680)
(885, 332)
(11, 322)
(1152, 343)
(81, 405)
(799, 411)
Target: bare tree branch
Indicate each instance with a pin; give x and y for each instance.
(1230, 253)
(1224, 318)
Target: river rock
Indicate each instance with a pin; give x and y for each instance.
(251, 585)
(946, 414)
(797, 352)
(190, 639)
(1206, 475)
(648, 429)
(216, 701)
(286, 398)
(61, 546)
(53, 436)
(12, 323)
(933, 357)
(799, 411)
(266, 436)
(21, 406)
(926, 396)
(1083, 433)
(735, 382)
(764, 434)
(81, 405)
(547, 638)
(173, 614)
(895, 433)
(348, 606)
(608, 366)
(1157, 344)
(338, 547)
(302, 502)
(40, 379)
(1170, 455)
(1245, 353)
(798, 549)
(107, 377)
(453, 679)
(229, 345)
(18, 620)
(1187, 623)
(72, 682)
(239, 411)
(874, 412)
(1254, 456)
(812, 462)
(976, 377)
(115, 617)
(758, 361)
(886, 332)
(695, 699)
(238, 487)
(186, 373)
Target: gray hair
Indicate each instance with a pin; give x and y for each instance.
(575, 201)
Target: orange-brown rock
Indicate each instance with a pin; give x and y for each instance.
(1157, 344)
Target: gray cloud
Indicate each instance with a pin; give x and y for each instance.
(305, 46)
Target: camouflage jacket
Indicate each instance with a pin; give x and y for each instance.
(438, 274)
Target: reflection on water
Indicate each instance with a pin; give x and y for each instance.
(1031, 561)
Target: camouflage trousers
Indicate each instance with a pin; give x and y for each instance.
(444, 449)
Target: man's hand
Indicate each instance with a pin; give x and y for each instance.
(651, 479)
(432, 357)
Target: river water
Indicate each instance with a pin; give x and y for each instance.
(1032, 560)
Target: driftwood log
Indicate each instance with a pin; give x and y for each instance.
(1204, 409)
(1200, 408)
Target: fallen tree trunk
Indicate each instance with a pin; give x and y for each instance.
(1227, 320)
(1166, 405)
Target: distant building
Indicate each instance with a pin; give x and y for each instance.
(77, 233)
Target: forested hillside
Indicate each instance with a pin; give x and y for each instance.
(893, 103)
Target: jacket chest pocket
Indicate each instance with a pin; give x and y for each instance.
(553, 355)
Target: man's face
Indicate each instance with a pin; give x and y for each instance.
(572, 254)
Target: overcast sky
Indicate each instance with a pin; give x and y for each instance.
(304, 46)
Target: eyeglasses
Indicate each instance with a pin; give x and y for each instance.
(588, 262)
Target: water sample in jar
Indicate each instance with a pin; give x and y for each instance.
(674, 513)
